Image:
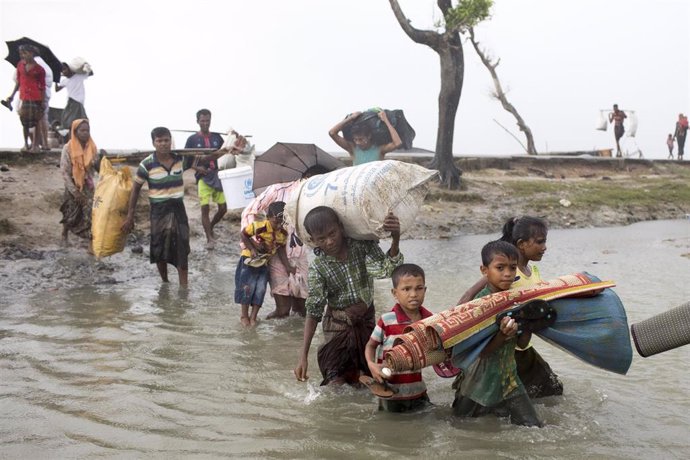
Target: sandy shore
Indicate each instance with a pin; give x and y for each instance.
(567, 192)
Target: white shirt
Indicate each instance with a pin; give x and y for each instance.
(75, 86)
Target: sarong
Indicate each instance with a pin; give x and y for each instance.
(77, 217)
(536, 374)
(346, 334)
(169, 233)
(30, 113)
(618, 131)
(73, 111)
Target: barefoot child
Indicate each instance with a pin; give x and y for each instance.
(262, 240)
(491, 383)
(408, 290)
(528, 234)
(341, 278)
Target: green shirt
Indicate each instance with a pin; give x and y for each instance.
(494, 378)
(340, 284)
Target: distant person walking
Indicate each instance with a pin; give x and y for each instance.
(206, 174)
(73, 77)
(669, 144)
(43, 140)
(30, 82)
(362, 149)
(616, 117)
(680, 133)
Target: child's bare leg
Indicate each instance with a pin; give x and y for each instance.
(298, 306)
(253, 317)
(222, 209)
(163, 270)
(244, 317)
(65, 234)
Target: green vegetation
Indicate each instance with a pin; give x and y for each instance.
(642, 191)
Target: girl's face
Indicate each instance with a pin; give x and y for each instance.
(534, 248)
(362, 141)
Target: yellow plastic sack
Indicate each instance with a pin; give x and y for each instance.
(110, 203)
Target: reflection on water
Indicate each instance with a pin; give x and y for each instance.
(137, 368)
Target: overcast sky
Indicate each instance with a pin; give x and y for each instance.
(289, 70)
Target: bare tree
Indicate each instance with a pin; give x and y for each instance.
(448, 45)
(501, 95)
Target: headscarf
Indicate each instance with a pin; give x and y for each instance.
(81, 157)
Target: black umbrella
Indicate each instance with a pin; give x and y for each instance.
(53, 62)
(287, 162)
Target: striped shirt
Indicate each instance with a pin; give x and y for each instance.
(164, 184)
(340, 284)
(390, 325)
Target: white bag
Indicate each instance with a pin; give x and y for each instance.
(602, 123)
(230, 160)
(632, 123)
(362, 196)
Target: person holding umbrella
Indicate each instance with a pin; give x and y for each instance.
(31, 86)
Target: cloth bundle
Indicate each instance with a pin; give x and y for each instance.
(457, 335)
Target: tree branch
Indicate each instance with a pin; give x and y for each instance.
(501, 95)
(424, 37)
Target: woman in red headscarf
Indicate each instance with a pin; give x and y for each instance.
(79, 164)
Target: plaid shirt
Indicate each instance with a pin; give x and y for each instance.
(340, 284)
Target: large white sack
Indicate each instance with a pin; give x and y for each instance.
(362, 196)
(602, 123)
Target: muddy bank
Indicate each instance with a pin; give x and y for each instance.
(569, 192)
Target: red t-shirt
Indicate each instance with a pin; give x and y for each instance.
(32, 83)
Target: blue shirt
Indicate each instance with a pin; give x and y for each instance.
(373, 153)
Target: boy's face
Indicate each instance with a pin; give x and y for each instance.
(534, 248)
(410, 292)
(204, 123)
(500, 273)
(331, 240)
(162, 144)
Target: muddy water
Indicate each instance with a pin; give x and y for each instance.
(122, 366)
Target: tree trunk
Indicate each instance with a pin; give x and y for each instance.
(449, 48)
(501, 95)
(452, 74)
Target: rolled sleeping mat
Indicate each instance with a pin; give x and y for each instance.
(662, 332)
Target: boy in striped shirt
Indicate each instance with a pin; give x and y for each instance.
(408, 290)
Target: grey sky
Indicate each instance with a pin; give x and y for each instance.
(289, 70)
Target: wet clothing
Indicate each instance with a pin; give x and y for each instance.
(250, 283)
(340, 284)
(491, 385)
(346, 333)
(409, 384)
(535, 373)
(78, 165)
(373, 153)
(523, 281)
(164, 184)
(282, 283)
(169, 233)
(265, 234)
(72, 111)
